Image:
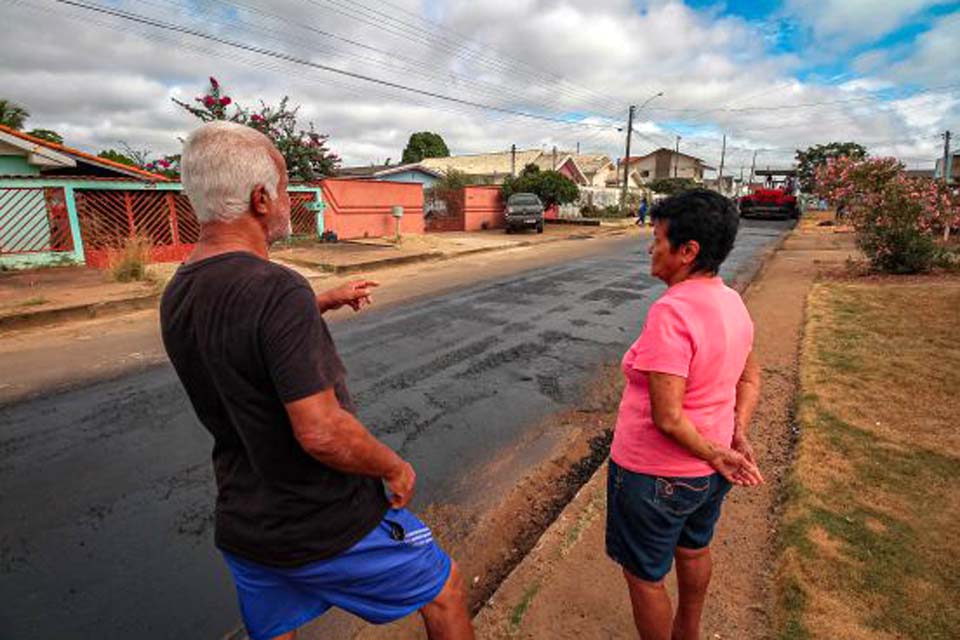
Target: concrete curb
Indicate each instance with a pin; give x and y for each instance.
(31, 319)
(44, 317)
(533, 563)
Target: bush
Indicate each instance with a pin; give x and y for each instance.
(890, 233)
(672, 186)
(129, 264)
(552, 187)
(613, 211)
(895, 217)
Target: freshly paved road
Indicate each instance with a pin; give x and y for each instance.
(106, 490)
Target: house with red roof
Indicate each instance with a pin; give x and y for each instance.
(23, 155)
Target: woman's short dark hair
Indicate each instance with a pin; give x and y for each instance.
(704, 216)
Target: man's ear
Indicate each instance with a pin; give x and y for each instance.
(259, 201)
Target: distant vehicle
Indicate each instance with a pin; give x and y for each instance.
(773, 200)
(524, 211)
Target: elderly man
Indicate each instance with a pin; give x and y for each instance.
(302, 517)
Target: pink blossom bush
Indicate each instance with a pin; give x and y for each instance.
(305, 151)
(895, 217)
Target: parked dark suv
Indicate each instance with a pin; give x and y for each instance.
(524, 211)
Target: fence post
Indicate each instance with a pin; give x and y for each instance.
(129, 209)
(174, 225)
(70, 198)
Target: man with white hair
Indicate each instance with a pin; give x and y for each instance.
(302, 518)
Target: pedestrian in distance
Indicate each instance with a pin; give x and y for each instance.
(642, 212)
(302, 518)
(680, 442)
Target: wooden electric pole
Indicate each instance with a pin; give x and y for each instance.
(753, 165)
(676, 158)
(626, 162)
(513, 160)
(723, 154)
(946, 178)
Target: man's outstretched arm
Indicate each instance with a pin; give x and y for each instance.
(356, 294)
(337, 439)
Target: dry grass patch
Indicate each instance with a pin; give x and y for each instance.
(868, 546)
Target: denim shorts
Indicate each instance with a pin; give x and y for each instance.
(648, 517)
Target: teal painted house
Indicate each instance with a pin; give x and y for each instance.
(39, 181)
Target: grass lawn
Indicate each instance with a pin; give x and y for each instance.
(870, 544)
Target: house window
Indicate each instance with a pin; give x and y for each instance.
(645, 174)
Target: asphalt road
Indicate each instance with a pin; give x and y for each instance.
(106, 490)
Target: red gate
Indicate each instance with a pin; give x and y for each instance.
(109, 217)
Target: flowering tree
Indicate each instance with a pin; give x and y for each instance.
(895, 217)
(305, 151)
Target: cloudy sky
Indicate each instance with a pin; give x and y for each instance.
(771, 75)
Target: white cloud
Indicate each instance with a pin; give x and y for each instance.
(98, 86)
(842, 23)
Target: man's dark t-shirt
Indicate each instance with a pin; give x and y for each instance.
(245, 336)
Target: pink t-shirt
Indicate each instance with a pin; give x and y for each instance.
(700, 330)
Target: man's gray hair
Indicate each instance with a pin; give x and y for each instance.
(222, 163)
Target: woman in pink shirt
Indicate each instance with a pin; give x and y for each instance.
(681, 436)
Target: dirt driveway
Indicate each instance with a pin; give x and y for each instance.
(567, 588)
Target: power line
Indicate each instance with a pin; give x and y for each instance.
(279, 55)
(942, 89)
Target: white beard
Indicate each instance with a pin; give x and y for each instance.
(276, 233)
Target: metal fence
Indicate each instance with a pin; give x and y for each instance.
(87, 221)
(34, 220)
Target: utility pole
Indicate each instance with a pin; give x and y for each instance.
(723, 154)
(578, 147)
(740, 190)
(554, 157)
(676, 158)
(626, 161)
(513, 160)
(753, 165)
(946, 177)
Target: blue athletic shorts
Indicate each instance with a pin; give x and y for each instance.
(394, 571)
(648, 517)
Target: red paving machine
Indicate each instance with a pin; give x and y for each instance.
(776, 198)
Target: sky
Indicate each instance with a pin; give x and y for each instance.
(771, 75)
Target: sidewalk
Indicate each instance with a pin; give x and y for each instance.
(568, 588)
(40, 297)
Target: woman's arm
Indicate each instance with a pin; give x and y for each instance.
(748, 395)
(666, 399)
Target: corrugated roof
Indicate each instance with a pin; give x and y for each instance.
(86, 157)
(483, 164)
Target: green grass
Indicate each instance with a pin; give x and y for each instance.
(519, 611)
(883, 501)
(33, 302)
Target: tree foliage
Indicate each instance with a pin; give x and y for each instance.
(116, 156)
(895, 217)
(672, 186)
(811, 160)
(552, 187)
(305, 150)
(12, 115)
(424, 144)
(46, 134)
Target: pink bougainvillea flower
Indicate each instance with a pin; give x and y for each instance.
(225, 100)
(165, 163)
(209, 101)
(214, 83)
